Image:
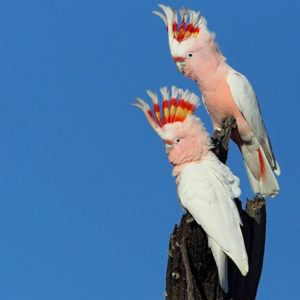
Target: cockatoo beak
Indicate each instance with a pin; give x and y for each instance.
(180, 65)
(168, 148)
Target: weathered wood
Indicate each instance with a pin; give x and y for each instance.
(221, 139)
(254, 231)
(192, 272)
(203, 279)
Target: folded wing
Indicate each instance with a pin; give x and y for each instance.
(207, 190)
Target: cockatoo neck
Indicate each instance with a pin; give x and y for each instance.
(178, 168)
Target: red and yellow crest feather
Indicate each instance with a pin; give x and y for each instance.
(176, 108)
(191, 22)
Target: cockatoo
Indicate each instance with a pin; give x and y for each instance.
(225, 93)
(205, 186)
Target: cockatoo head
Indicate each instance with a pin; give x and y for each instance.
(187, 39)
(183, 133)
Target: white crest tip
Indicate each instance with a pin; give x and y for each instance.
(159, 14)
(152, 95)
(164, 92)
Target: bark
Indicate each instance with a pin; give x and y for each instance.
(192, 273)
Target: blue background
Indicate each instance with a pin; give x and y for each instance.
(87, 197)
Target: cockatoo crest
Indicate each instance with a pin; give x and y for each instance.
(181, 36)
(174, 109)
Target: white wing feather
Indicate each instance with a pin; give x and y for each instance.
(207, 190)
(245, 99)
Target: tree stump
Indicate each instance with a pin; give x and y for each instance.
(191, 272)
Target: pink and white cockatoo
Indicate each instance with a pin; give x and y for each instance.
(205, 186)
(225, 93)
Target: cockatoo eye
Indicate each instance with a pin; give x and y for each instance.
(190, 54)
(178, 140)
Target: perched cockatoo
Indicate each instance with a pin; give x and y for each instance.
(205, 186)
(225, 92)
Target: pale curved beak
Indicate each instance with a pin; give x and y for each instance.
(168, 148)
(180, 65)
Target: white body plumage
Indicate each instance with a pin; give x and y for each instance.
(207, 190)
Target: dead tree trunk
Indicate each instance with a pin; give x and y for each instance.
(192, 273)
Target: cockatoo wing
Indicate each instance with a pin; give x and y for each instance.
(207, 190)
(246, 101)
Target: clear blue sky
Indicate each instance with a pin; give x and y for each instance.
(87, 198)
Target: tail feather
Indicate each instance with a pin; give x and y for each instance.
(277, 168)
(221, 262)
(260, 172)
